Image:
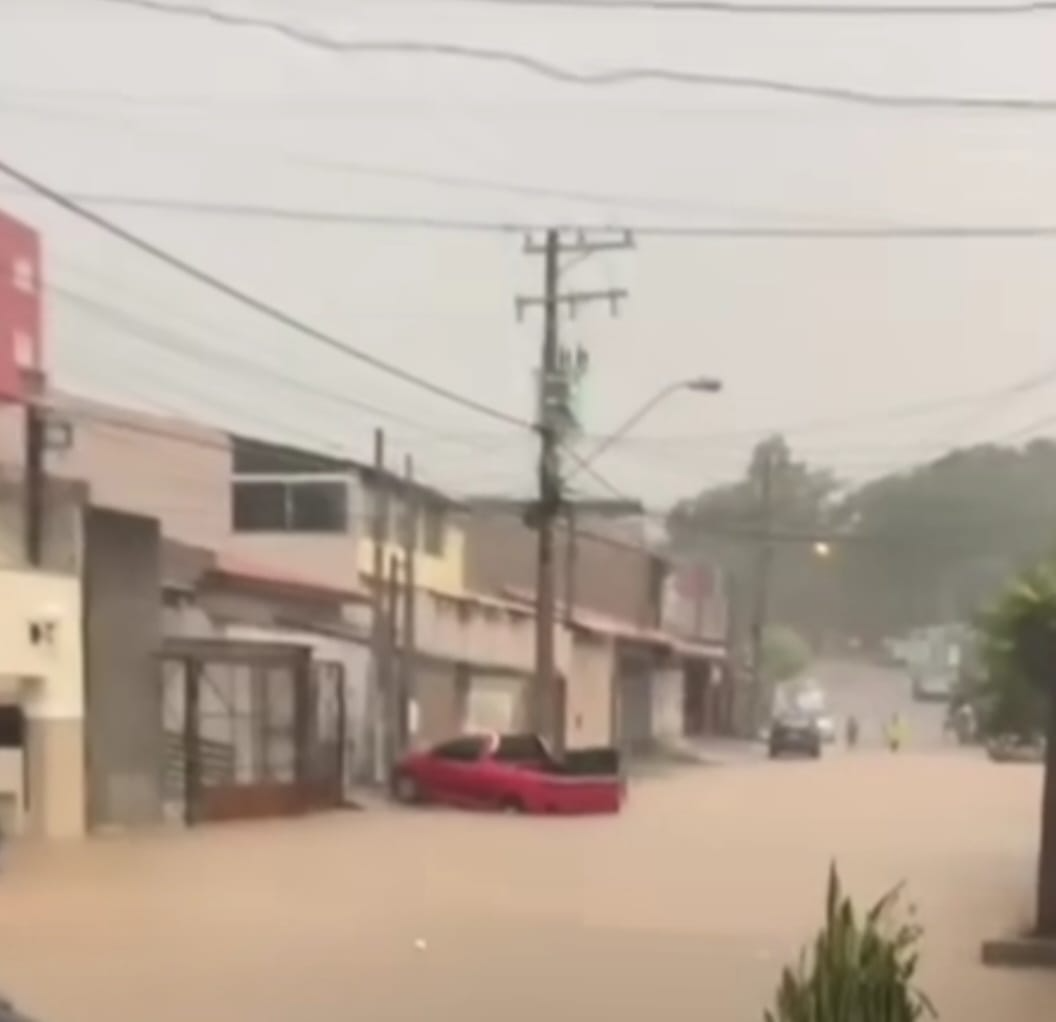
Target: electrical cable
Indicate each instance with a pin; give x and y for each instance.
(166, 338)
(713, 232)
(246, 299)
(791, 9)
(615, 76)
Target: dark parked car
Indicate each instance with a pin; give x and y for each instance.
(796, 734)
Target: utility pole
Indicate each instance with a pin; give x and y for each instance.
(378, 528)
(393, 702)
(34, 440)
(559, 372)
(761, 587)
(411, 522)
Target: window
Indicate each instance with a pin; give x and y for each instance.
(318, 507)
(308, 506)
(259, 507)
(463, 750)
(434, 528)
(526, 749)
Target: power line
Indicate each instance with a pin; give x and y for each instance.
(272, 312)
(615, 76)
(389, 172)
(793, 9)
(713, 232)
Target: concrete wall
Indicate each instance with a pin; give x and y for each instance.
(330, 559)
(589, 694)
(62, 532)
(124, 697)
(42, 662)
(148, 464)
(446, 572)
(668, 711)
(439, 701)
(479, 633)
(609, 577)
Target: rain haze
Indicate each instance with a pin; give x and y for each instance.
(107, 100)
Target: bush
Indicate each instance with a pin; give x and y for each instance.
(785, 654)
(856, 971)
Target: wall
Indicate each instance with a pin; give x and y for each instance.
(147, 464)
(477, 633)
(446, 572)
(50, 686)
(329, 559)
(123, 635)
(668, 711)
(609, 576)
(62, 537)
(589, 695)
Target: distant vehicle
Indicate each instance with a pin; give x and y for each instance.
(932, 688)
(1014, 749)
(795, 733)
(514, 773)
(826, 727)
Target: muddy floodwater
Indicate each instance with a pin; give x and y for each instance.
(682, 908)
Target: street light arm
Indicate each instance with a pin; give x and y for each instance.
(703, 384)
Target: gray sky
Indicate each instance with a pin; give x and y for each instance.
(95, 98)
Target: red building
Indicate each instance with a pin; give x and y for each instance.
(20, 306)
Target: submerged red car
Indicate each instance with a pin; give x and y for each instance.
(512, 772)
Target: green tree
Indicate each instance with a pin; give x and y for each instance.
(785, 654)
(1019, 634)
(725, 524)
(935, 543)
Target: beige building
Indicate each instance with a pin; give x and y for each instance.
(42, 692)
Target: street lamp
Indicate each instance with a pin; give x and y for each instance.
(697, 384)
(822, 549)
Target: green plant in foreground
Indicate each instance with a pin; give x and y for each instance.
(857, 970)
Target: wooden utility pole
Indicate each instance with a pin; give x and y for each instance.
(411, 529)
(34, 437)
(761, 589)
(378, 530)
(392, 700)
(555, 420)
(549, 496)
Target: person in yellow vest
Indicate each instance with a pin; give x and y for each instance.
(896, 732)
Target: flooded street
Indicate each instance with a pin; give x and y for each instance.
(686, 905)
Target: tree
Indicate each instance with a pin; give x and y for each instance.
(726, 524)
(934, 544)
(1020, 636)
(785, 654)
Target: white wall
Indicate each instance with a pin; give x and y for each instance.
(54, 665)
(588, 699)
(668, 703)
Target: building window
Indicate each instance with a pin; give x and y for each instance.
(318, 507)
(259, 507)
(434, 529)
(290, 506)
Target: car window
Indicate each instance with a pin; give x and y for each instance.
(520, 749)
(465, 750)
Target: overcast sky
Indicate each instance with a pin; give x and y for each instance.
(102, 99)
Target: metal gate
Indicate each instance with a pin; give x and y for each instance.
(252, 729)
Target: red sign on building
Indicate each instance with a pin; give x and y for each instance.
(20, 307)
